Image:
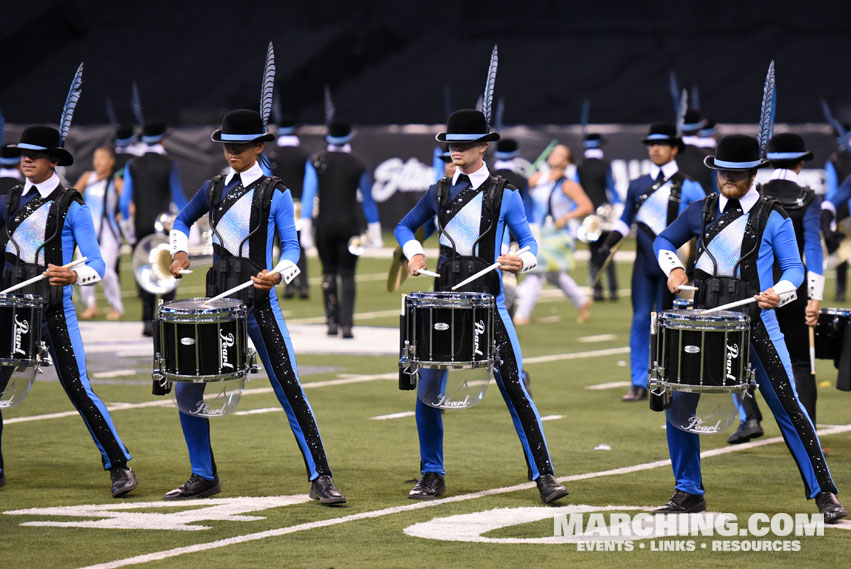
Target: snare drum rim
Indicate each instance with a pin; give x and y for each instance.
(21, 300)
(691, 320)
(450, 299)
(237, 374)
(175, 314)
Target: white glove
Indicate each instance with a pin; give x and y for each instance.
(307, 235)
(373, 234)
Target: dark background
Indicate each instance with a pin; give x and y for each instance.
(388, 61)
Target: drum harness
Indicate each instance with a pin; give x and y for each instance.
(676, 180)
(51, 249)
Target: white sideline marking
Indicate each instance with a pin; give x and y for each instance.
(576, 355)
(114, 373)
(258, 411)
(610, 385)
(177, 551)
(552, 417)
(394, 416)
(597, 338)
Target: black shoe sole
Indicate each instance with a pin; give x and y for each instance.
(695, 509)
(554, 496)
(745, 437)
(327, 501)
(205, 494)
(124, 491)
(437, 494)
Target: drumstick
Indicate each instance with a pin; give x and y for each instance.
(486, 270)
(812, 349)
(686, 287)
(428, 273)
(730, 305)
(28, 282)
(246, 284)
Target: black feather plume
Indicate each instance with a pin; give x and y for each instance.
(70, 104)
(330, 110)
(695, 98)
(831, 120)
(490, 83)
(584, 116)
(268, 85)
(681, 112)
(674, 89)
(110, 112)
(768, 110)
(136, 105)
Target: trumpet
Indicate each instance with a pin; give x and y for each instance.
(152, 257)
(602, 220)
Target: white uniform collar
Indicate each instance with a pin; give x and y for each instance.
(505, 165)
(477, 178)
(747, 201)
(288, 140)
(45, 187)
(248, 177)
(668, 169)
(784, 174)
(691, 140)
(155, 148)
(340, 148)
(594, 153)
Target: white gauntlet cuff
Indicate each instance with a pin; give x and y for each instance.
(178, 241)
(668, 261)
(787, 291)
(815, 286)
(530, 261)
(86, 275)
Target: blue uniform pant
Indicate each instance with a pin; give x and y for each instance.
(524, 414)
(773, 367)
(649, 293)
(271, 338)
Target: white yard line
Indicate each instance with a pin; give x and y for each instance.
(552, 417)
(218, 544)
(576, 355)
(597, 338)
(610, 385)
(393, 416)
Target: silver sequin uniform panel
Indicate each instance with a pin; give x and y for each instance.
(29, 235)
(233, 227)
(726, 247)
(654, 211)
(464, 227)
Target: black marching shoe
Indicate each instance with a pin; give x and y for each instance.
(831, 508)
(683, 503)
(123, 481)
(148, 329)
(323, 489)
(347, 332)
(635, 393)
(195, 487)
(332, 330)
(747, 430)
(430, 486)
(550, 489)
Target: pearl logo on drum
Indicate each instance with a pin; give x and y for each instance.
(226, 341)
(21, 328)
(479, 329)
(732, 352)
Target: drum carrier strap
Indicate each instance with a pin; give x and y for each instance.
(676, 180)
(715, 291)
(457, 267)
(230, 270)
(52, 246)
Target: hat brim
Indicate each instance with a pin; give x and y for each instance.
(805, 156)
(63, 157)
(709, 162)
(217, 137)
(489, 137)
(678, 142)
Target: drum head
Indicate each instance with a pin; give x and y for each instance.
(453, 388)
(211, 399)
(704, 413)
(15, 382)
(200, 305)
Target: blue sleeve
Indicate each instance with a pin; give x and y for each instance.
(830, 178)
(308, 193)
(126, 193)
(419, 215)
(841, 194)
(370, 208)
(614, 196)
(686, 226)
(692, 192)
(192, 211)
(629, 204)
(85, 237)
(812, 238)
(284, 215)
(515, 218)
(785, 246)
(177, 195)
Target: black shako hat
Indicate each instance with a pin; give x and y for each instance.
(124, 136)
(593, 140)
(286, 125)
(339, 133)
(9, 156)
(736, 152)
(664, 133)
(787, 146)
(152, 132)
(43, 139)
(506, 149)
(242, 126)
(692, 122)
(466, 125)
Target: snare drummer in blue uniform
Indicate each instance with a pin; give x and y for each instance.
(740, 237)
(247, 208)
(472, 208)
(43, 223)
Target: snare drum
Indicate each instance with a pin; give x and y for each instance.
(200, 341)
(683, 303)
(701, 353)
(20, 330)
(444, 330)
(830, 331)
